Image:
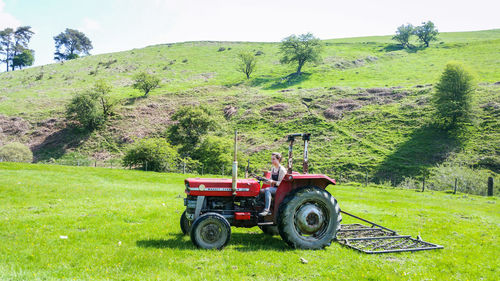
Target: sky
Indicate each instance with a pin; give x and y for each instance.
(118, 25)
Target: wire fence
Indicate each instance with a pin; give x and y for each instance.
(454, 182)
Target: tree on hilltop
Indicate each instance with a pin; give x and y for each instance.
(26, 58)
(70, 44)
(146, 82)
(247, 63)
(403, 34)
(300, 49)
(13, 43)
(426, 33)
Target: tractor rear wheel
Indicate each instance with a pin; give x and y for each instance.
(309, 218)
(185, 224)
(210, 231)
(271, 230)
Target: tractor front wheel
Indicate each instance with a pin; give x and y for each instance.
(309, 218)
(210, 231)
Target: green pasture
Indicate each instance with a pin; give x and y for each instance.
(82, 223)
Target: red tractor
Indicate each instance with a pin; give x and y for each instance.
(303, 213)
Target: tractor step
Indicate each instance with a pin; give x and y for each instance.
(376, 239)
(266, 223)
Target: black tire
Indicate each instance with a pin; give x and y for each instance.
(210, 231)
(271, 230)
(185, 224)
(309, 218)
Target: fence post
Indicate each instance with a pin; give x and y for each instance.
(490, 186)
(366, 178)
(95, 163)
(455, 190)
(146, 166)
(202, 169)
(223, 169)
(340, 177)
(423, 184)
(183, 167)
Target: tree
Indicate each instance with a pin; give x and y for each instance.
(453, 96)
(146, 82)
(22, 37)
(192, 124)
(426, 32)
(84, 108)
(403, 34)
(92, 107)
(70, 44)
(13, 43)
(153, 154)
(100, 92)
(7, 45)
(23, 59)
(247, 63)
(301, 49)
(214, 152)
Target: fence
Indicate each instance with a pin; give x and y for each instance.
(479, 185)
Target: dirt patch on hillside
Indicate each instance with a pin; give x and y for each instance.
(13, 126)
(342, 63)
(151, 117)
(276, 108)
(337, 109)
(380, 95)
(229, 111)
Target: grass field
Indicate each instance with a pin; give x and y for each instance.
(80, 223)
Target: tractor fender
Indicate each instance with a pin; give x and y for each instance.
(293, 181)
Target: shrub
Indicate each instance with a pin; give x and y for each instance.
(214, 152)
(84, 108)
(453, 96)
(221, 49)
(151, 154)
(15, 152)
(192, 124)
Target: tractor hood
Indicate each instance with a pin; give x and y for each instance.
(221, 187)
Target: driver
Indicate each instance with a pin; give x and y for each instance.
(277, 174)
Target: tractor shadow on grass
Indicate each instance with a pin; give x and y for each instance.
(244, 242)
(426, 147)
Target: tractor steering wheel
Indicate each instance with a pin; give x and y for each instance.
(260, 179)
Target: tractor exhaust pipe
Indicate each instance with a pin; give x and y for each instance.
(235, 164)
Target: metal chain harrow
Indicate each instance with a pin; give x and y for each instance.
(376, 239)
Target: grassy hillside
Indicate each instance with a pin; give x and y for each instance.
(84, 223)
(366, 103)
